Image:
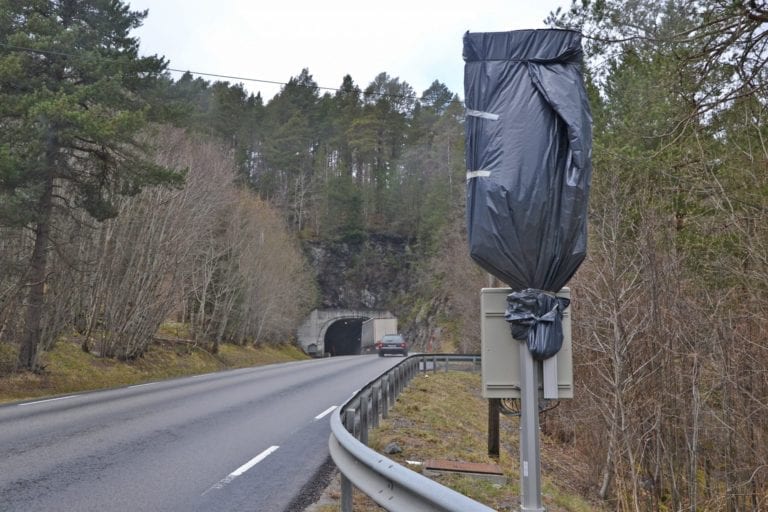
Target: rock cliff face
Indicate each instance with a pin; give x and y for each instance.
(371, 273)
(378, 272)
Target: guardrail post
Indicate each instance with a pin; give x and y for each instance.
(445, 369)
(375, 393)
(392, 385)
(434, 364)
(385, 397)
(346, 484)
(350, 421)
(364, 418)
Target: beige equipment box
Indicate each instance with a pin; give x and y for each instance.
(501, 352)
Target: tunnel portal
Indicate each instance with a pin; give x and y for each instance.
(343, 337)
(335, 331)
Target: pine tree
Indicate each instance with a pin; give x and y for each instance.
(71, 109)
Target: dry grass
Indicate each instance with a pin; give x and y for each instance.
(443, 416)
(67, 369)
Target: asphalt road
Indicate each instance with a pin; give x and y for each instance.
(245, 440)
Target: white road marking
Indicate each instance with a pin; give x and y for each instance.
(326, 412)
(140, 385)
(48, 400)
(242, 469)
(248, 465)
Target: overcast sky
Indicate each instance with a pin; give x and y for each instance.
(418, 41)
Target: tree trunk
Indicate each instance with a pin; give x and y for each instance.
(605, 484)
(36, 279)
(693, 443)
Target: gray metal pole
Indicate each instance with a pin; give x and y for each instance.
(530, 462)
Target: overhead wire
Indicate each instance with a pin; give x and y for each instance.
(228, 77)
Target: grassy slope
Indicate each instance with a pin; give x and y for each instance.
(442, 416)
(68, 369)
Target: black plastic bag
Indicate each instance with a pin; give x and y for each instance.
(529, 144)
(537, 319)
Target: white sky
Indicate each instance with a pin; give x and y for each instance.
(418, 41)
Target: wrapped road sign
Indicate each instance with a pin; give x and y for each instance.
(528, 151)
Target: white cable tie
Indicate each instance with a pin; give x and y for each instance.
(477, 174)
(484, 115)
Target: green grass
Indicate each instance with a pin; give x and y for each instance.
(67, 369)
(443, 416)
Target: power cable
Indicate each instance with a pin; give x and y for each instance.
(245, 79)
(229, 77)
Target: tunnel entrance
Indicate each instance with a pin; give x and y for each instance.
(343, 337)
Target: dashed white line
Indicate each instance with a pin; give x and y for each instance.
(140, 385)
(242, 469)
(47, 400)
(326, 412)
(248, 465)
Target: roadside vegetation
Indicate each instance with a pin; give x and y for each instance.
(67, 369)
(443, 416)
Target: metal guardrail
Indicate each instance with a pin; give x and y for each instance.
(389, 484)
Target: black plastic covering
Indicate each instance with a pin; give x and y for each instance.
(529, 144)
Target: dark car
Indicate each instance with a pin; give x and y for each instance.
(392, 344)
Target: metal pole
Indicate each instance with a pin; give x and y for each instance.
(530, 463)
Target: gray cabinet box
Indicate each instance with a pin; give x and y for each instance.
(501, 352)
